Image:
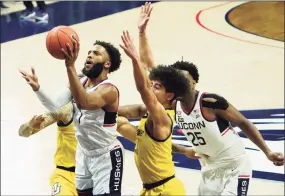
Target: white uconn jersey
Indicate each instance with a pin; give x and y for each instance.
(217, 138)
(95, 129)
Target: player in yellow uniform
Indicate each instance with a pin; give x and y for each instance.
(153, 151)
(63, 177)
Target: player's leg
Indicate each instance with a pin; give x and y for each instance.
(211, 182)
(62, 182)
(107, 170)
(83, 178)
(239, 179)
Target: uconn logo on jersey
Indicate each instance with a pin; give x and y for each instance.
(190, 125)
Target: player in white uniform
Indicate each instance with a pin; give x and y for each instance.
(205, 120)
(99, 155)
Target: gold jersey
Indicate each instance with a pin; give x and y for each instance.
(66, 146)
(153, 158)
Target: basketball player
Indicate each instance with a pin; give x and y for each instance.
(206, 120)
(153, 150)
(62, 179)
(99, 155)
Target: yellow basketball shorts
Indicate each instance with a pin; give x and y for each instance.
(63, 182)
(172, 187)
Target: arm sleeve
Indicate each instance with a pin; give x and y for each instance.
(218, 102)
(54, 102)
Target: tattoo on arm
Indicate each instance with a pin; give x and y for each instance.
(50, 117)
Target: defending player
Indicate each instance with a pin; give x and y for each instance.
(153, 150)
(99, 155)
(62, 180)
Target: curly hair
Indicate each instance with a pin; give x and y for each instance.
(171, 79)
(114, 54)
(189, 67)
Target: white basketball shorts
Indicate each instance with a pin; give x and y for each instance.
(100, 170)
(232, 179)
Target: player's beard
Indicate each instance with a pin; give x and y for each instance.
(94, 72)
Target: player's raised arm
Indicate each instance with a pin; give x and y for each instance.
(39, 122)
(50, 100)
(142, 83)
(220, 107)
(144, 48)
(104, 95)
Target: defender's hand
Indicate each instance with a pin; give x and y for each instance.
(37, 122)
(144, 16)
(128, 46)
(31, 79)
(276, 157)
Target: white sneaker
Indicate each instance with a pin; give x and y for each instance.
(29, 16)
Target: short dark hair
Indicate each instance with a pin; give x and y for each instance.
(171, 78)
(114, 54)
(189, 67)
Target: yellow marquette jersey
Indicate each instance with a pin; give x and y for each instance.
(153, 158)
(66, 146)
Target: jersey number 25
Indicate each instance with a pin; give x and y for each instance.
(196, 140)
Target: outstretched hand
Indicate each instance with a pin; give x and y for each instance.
(144, 16)
(31, 79)
(276, 157)
(128, 46)
(71, 55)
(37, 122)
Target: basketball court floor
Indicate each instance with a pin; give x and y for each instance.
(246, 69)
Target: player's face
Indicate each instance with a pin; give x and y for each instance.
(162, 96)
(96, 61)
(190, 78)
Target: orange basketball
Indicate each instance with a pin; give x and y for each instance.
(57, 38)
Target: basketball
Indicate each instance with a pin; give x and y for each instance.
(57, 38)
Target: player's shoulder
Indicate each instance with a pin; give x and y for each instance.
(209, 95)
(214, 101)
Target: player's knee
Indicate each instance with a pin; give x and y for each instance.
(85, 192)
